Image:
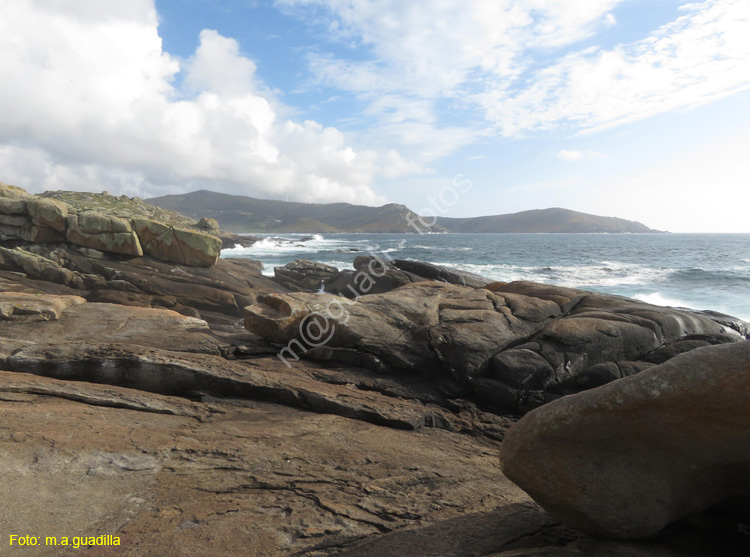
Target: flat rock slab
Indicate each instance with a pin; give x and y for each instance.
(27, 307)
(150, 327)
(249, 479)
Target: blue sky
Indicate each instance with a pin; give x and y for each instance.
(631, 108)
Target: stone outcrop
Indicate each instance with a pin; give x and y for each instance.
(303, 275)
(31, 219)
(179, 245)
(103, 233)
(41, 220)
(217, 293)
(517, 347)
(441, 274)
(21, 306)
(371, 275)
(379, 274)
(135, 423)
(625, 460)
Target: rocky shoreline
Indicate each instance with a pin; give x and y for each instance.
(191, 405)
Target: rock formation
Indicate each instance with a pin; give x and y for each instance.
(113, 427)
(303, 275)
(216, 293)
(39, 219)
(515, 346)
(627, 459)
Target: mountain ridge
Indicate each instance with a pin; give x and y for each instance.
(246, 214)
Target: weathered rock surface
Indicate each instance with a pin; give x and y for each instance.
(107, 224)
(100, 232)
(216, 293)
(224, 477)
(179, 245)
(517, 347)
(442, 274)
(20, 306)
(303, 275)
(627, 459)
(136, 424)
(371, 275)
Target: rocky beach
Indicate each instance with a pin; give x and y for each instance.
(191, 405)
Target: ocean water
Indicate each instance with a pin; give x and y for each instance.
(699, 271)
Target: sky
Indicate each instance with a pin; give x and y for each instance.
(638, 109)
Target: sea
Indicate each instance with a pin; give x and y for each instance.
(698, 271)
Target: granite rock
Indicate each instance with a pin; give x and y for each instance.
(625, 460)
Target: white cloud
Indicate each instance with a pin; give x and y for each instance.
(424, 52)
(696, 59)
(566, 155)
(571, 155)
(513, 60)
(89, 103)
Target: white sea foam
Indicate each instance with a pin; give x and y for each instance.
(607, 273)
(658, 299)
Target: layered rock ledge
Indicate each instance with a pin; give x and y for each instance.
(38, 219)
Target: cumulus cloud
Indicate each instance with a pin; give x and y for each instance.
(89, 102)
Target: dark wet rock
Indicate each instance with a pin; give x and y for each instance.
(627, 459)
(442, 274)
(230, 241)
(303, 275)
(371, 275)
(516, 348)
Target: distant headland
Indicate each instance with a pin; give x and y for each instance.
(240, 214)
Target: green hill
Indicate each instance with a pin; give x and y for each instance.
(246, 214)
(239, 213)
(544, 220)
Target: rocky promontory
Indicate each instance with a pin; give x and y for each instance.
(361, 412)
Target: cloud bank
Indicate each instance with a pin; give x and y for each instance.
(90, 103)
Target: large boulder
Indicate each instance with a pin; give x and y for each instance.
(206, 223)
(177, 245)
(101, 232)
(626, 459)
(49, 212)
